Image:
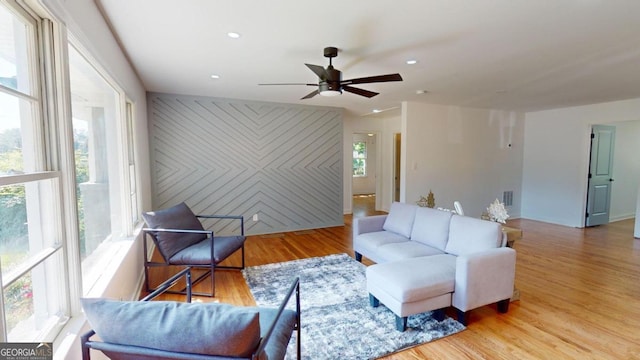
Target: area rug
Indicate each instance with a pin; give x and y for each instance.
(337, 321)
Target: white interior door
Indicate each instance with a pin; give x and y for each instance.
(600, 175)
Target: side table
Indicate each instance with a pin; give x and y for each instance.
(513, 235)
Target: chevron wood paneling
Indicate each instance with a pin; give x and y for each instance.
(219, 156)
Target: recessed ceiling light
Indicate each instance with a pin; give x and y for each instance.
(375, 111)
(369, 134)
(420, 92)
(233, 35)
(412, 62)
(214, 76)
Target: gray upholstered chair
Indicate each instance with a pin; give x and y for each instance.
(181, 240)
(135, 330)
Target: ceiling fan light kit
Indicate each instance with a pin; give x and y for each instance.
(330, 81)
(329, 89)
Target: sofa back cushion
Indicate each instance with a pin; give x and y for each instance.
(469, 235)
(400, 218)
(197, 328)
(431, 227)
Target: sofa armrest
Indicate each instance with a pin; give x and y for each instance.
(367, 224)
(484, 277)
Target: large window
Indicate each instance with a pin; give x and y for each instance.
(57, 237)
(101, 134)
(31, 250)
(359, 158)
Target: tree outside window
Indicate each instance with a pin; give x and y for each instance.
(359, 158)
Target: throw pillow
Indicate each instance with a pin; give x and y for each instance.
(176, 217)
(198, 328)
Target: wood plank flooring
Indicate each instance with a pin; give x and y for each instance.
(579, 293)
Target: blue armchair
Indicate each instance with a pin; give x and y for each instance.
(131, 330)
(181, 240)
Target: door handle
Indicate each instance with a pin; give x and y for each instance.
(611, 180)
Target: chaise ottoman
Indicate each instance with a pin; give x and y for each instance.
(413, 286)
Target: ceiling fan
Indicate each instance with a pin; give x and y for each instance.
(330, 81)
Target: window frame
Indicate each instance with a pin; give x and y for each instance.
(123, 145)
(38, 60)
(53, 145)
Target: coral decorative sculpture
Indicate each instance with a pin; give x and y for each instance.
(497, 212)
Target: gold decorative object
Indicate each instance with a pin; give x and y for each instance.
(429, 201)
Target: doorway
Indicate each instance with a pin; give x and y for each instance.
(364, 183)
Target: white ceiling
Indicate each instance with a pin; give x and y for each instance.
(523, 55)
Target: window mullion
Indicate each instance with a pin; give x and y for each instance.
(16, 93)
(57, 105)
(28, 265)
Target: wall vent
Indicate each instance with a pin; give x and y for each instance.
(507, 198)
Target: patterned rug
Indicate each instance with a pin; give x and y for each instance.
(336, 319)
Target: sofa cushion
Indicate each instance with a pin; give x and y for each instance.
(175, 217)
(431, 227)
(415, 279)
(469, 235)
(200, 328)
(370, 242)
(406, 250)
(400, 218)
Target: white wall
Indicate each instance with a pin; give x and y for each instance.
(367, 184)
(636, 232)
(464, 154)
(626, 170)
(556, 159)
(384, 126)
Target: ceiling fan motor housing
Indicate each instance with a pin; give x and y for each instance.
(330, 52)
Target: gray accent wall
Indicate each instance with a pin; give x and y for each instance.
(281, 162)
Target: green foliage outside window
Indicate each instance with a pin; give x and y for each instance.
(359, 158)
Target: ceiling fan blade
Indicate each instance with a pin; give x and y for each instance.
(318, 70)
(291, 84)
(373, 79)
(358, 91)
(311, 94)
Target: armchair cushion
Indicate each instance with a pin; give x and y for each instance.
(176, 217)
(200, 253)
(201, 328)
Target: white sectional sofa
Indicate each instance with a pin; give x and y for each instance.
(430, 259)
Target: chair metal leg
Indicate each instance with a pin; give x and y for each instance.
(243, 256)
(213, 280)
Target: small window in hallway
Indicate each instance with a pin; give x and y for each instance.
(359, 158)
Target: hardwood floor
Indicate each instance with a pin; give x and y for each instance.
(579, 293)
